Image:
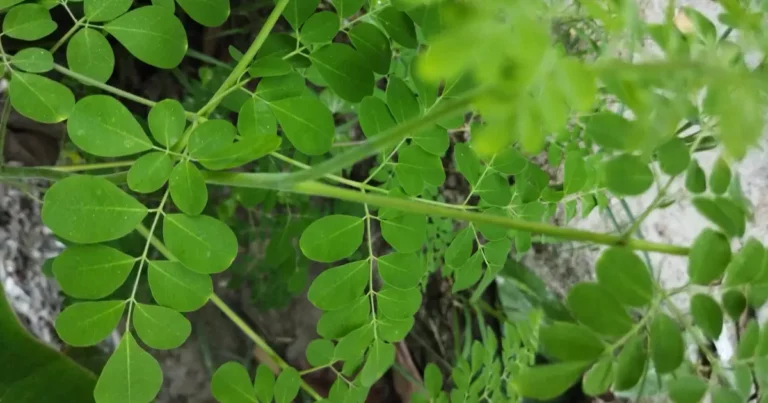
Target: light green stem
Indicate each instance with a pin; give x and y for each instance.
(65, 38)
(90, 167)
(320, 189)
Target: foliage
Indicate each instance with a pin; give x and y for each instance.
(410, 73)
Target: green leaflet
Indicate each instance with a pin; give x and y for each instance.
(307, 123)
(575, 172)
(103, 126)
(264, 383)
(320, 353)
(592, 305)
(28, 22)
(695, 179)
(401, 101)
(673, 156)
(87, 323)
(353, 345)
(630, 364)
(33, 60)
(405, 232)
(91, 271)
(398, 304)
(150, 172)
(720, 177)
(401, 270)
(287, 384)
(152, 34)
(374, 116)
(105, 10)
(509, 161)
(76, 208)
(211, 137)
(240, 153)
(338, 323)
(373, 45)
(434, 140)
(40, 98)
(734, 303)
(280, 87)
(203, 244)
(188, 189)
(90, 54)
(570, 342)
(468, 273)
(610, 130)
(131, 375)
(548, 381)
(493, 188)
(707, 315)
(599, 378)
(746, 264)
(381, 356)
(159, 327)
(297, 11)
(687, 389)
(723, 212)
(210, 13)
(623, 274)
(627, 175)
(748, 341)
(347, 8)
(320, 28)
(394, 330)
(232, 384)
(272, 66)
(398, 26)
(709, 257)
(460, 248)
(468, 163)
(667, 346)
(339, 286)
(256, 119)
(166, 122)
(177, 287)
(416, 168)
(345, 70)
(332, 238)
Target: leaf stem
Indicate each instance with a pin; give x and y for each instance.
(228, 312)
(108, 88)
(320, 189)
(89, 167)
(72, 31)
(6, 114)
(240, 323)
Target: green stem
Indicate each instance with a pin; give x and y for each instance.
(194, 54)
(65, 38)
(250, 54)
(319, 189)
(90, 167)
(31, 173)
(227, 311)
(108, 88)
(6, 114)
(635, 227)
(240, 323)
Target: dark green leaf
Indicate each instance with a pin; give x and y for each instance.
(270, 67)
(630, 364)
(748, 341)
(599, 378)
(734, 303)
(570, 342)
(297, 11)
(105, 10)
(374, 116)
(40, 98)
(76, 208)
(381, 356)
(401, 270)
(130, 376)
(667, 345)
(406, 232)
(709, 257)
(33, 60)
(256, 119)
(695, 179)
(402, 101)
(373, 45)
(399, 26)
(166, 122)
(398, 304)
(87, 323)
(91, 271)
(152, 34)
(177, 287)
(339, 286)
(460, 248)
(103, 126)
(345, 70)
(210, 13)
(150, 172)
(723, 212)
(720, 177)
(623, 274)
(545, 382)
(673, 156)
(287, 384)
(280, 87)
(307, 123)
(264, 383)
(160, 327)
(468, 163)
(188, 189)
(746, 264)
(232, 384)
(346, 8)
(592, 305)
(627, 175)
(707, 315)
(320, 353)
(203, 244)
(320, 28)
(28, 22)
(687, 389)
